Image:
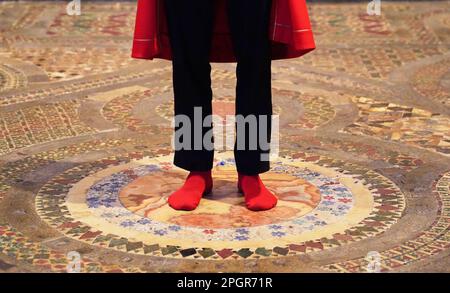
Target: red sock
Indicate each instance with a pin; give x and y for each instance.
(257, 196)
(188, 196)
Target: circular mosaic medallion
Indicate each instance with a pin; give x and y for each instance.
(121, 203)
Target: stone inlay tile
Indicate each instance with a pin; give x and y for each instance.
(38, 124)
(374, 63)
(120, 111)
(430, 242)
(401, 123)
(97, 20)
(365, 151)
(14, 244)
(76, 87)
(71, 63)
(316, 109)
(428, 81)
(11, 78)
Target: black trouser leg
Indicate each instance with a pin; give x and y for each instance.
(190, 28)
(190, 24)
(249, 25)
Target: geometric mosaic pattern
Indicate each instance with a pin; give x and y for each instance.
(426, 83)
(64, 64)
(363, 150)
(408, 125)
(363, 163)
(38, 124)
(10, 78)
(335, 197)
(430, 242)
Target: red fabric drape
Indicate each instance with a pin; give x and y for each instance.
(290, 31)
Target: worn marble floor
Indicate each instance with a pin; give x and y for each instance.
(363, 174)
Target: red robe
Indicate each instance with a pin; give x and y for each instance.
(290, 31)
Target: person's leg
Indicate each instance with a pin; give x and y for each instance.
(190, 25)
(190, 30)
(249, 25)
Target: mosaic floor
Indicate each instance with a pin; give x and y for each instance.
(362, 176)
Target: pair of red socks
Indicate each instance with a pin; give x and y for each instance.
(257, 196)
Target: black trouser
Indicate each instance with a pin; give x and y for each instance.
(190, 24)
